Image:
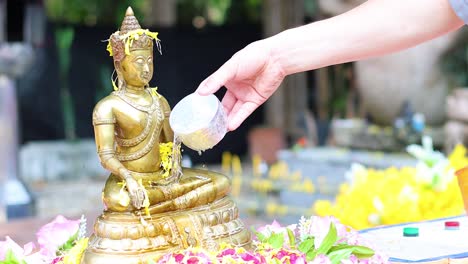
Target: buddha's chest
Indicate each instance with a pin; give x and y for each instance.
(133, 119)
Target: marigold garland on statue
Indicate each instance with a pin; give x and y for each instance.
(128, 38)
(167, 153)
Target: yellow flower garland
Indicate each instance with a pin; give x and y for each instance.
(392, 196)
(130, 36)
(167, 158)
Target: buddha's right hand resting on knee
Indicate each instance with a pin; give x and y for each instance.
(136, 192)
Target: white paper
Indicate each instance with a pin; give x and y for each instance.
(433, 242)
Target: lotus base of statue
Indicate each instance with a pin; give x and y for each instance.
(129, 238)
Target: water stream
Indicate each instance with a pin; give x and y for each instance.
(176, 158)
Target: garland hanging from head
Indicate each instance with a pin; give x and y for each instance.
(130, 36)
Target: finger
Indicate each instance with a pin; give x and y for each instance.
(141, 197)
(219, 78)
(228, 102)
(138, 199)
(135, 201)
(239, 113)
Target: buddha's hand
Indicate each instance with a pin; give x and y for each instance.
(136, 192)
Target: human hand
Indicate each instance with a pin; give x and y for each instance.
(136, 192)
(251, 76)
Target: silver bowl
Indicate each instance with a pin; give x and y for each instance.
(198, 121)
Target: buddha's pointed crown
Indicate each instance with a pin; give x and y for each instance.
(130, 37)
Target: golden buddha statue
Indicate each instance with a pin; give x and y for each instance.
(151, 209)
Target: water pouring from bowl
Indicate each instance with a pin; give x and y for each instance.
(199, 122)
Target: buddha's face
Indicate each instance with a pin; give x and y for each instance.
(137, 67)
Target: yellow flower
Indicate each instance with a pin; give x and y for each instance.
(109, 49)
(392, 196)
(75, 253)
(167, 159)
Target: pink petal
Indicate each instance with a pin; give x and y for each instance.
(3, 249)
(275, 224)
(29, 248)
(56, 233)
(17, 250)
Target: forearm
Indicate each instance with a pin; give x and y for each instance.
(375, 28)
(112, 164)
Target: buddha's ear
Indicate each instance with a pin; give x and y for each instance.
(118, 66)
(118, 70)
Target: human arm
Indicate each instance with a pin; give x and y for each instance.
(374, 28)
(104, 122)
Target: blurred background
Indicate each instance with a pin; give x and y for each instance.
(293, 154)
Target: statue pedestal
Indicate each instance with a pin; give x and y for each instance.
(126, 238)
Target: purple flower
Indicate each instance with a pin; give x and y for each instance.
(251, 258)
(56, 233)
(193, 260)
(293, 257)
(227, 252)
(179, 257)
(57, 260)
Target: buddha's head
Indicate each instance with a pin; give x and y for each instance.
(132, 49)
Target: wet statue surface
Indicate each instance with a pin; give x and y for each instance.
(152, 204)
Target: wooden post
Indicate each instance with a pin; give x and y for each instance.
(273, 24)
(3, 15)
(290, 100)
(161, 13)
(34, 25)
(3, 154)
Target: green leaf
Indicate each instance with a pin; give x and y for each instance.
(360, 252)
(276, 240)
(69, 244)
(338, 255)
(150, 261)
(311, 255)
(292, 238)
(363, 252)
(329, 240)
(306, 245)
(10, 258)
(261, 237)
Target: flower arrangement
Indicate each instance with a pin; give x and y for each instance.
(316, 240)
(61, 241)
(378, 197)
